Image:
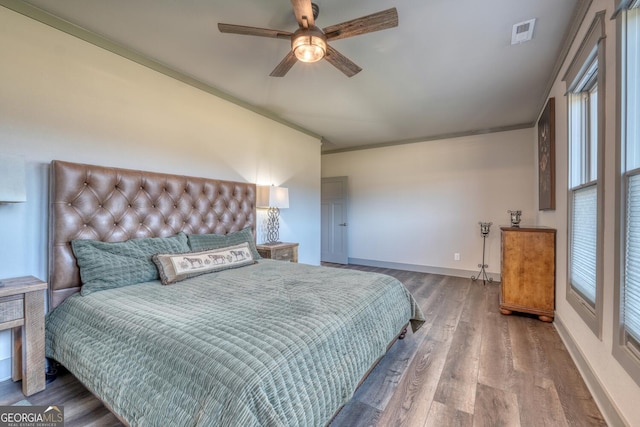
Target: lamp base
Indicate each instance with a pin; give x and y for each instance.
(273, 225)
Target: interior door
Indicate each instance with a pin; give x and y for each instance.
(334, 198)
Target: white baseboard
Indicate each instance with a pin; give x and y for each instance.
(607, 406)
(421, 268)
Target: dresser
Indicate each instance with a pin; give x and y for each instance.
(281, 251)
(528, 256)
(22, 311)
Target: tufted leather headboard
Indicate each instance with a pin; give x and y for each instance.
(113, 205)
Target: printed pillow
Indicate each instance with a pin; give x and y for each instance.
(176, 267)
(105, 265)
(199, 242)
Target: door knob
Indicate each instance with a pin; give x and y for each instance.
(344, 224)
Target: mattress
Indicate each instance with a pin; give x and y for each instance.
(270, 344)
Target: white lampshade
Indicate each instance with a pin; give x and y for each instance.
(12, 179)
(270, 196)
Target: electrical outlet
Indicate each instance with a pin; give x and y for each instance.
(456, 256)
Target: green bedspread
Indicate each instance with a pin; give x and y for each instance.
(271, 344)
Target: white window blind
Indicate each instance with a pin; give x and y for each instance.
(584, 239)
(631, 294)
(632, 261)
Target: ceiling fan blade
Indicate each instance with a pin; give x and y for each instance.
(341, 62)
(254, 31)
(285, 65)
(366, 24)
(303, 10)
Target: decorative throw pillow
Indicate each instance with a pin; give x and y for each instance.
(176, 267)
(199, 242)
(105, 265)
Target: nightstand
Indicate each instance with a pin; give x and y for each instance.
(281, 251)
(22, 311)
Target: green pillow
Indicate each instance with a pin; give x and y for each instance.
(199, 242)
(106, 265)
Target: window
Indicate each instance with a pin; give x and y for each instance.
(627, 349)
(586, 117)
(583, 185)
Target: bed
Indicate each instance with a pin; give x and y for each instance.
(255, 343)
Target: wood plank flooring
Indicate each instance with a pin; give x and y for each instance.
(467, 366)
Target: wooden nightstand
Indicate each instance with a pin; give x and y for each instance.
(22, 311)
(281, 251)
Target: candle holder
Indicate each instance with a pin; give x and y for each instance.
(515, 218)
(484, 232)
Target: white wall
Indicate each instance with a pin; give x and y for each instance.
(610, 376)
(62, 98)
(414, 205)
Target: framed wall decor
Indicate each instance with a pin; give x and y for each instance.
(547, 157)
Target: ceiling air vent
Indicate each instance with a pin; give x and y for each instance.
(522, 31)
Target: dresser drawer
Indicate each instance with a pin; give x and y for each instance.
(283, 254)
(11, 308)
(279, 251)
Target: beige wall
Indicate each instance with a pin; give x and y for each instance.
(610, 376)
(415, 205)
(62, 98)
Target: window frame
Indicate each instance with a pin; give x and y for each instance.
(592, 49)
(627, 355)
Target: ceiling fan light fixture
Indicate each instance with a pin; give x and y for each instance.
(309, 44)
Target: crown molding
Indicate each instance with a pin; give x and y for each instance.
(432, 138)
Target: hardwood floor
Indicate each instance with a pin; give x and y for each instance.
(467, 366)
(471, 366)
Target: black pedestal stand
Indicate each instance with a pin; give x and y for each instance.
(484, 230)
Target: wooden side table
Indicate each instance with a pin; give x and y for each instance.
(281, 251)
(22, 311)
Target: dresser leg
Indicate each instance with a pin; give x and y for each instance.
(505, 311)
(546, 319)
(16, 353)
(33, 370)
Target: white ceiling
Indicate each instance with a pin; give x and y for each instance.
(447, 69)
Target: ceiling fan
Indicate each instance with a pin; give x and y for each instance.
(309, 43)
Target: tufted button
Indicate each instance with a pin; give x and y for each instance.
(68, 204)
(85, 183)
(129, 206)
